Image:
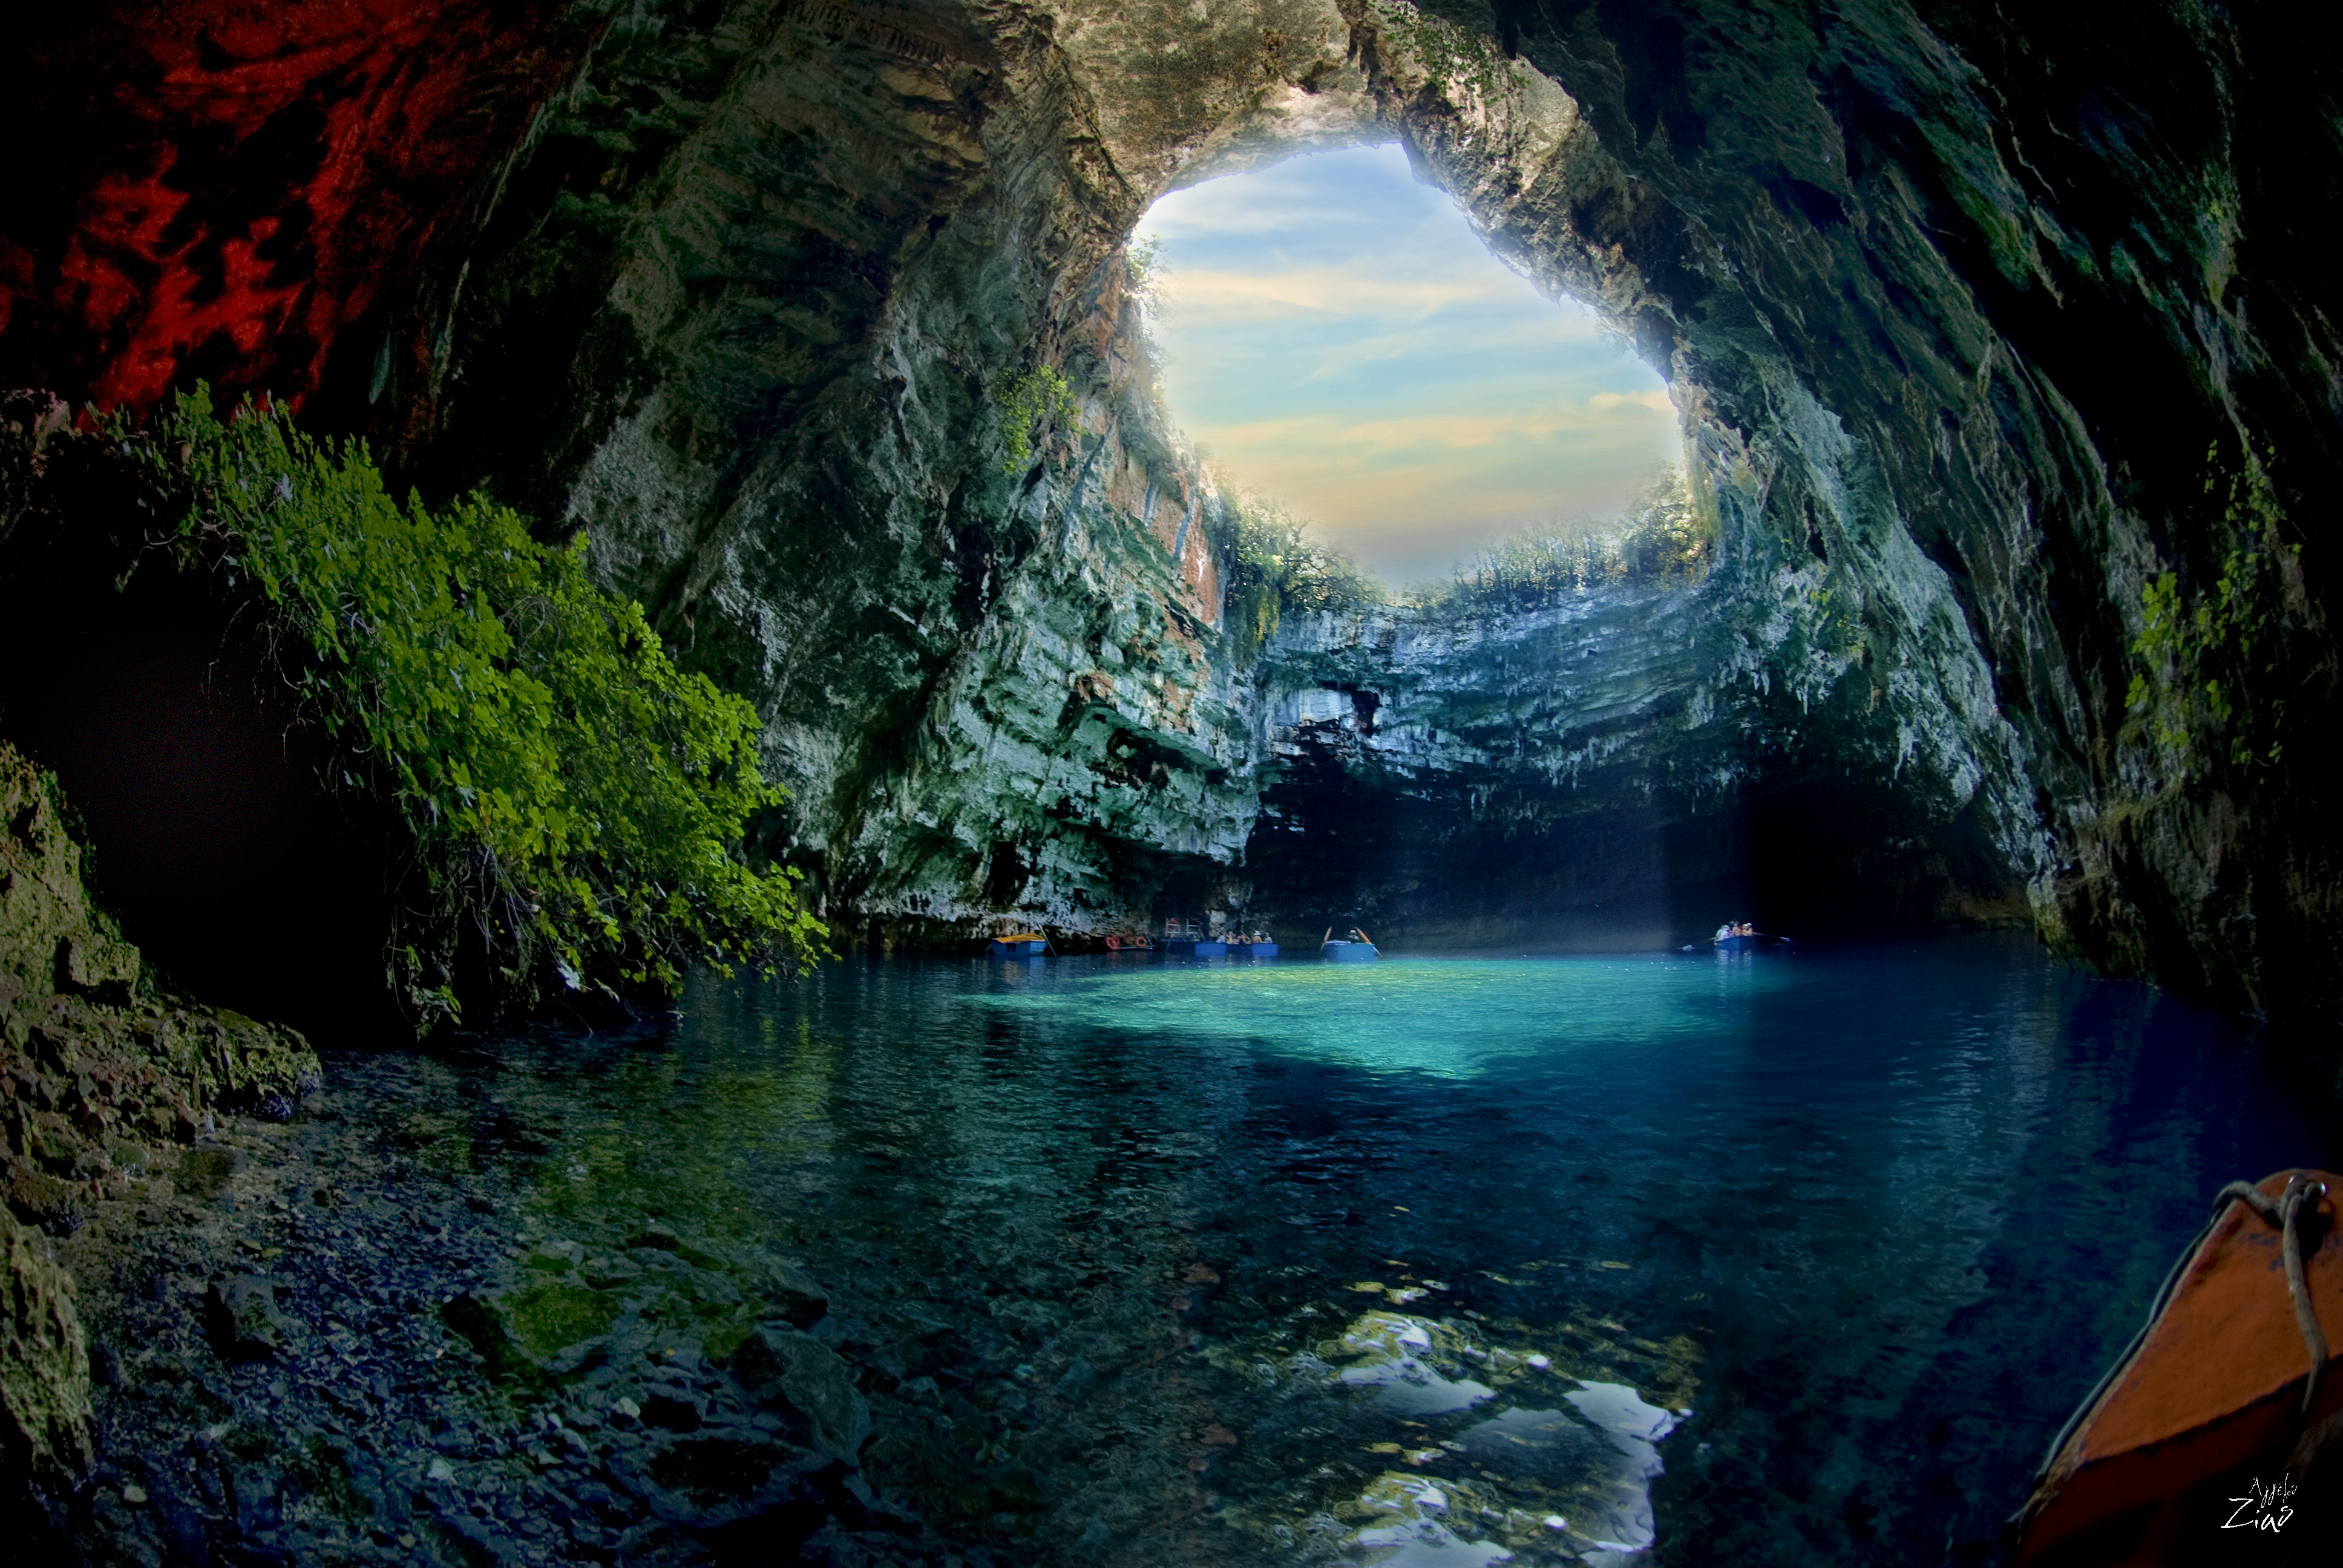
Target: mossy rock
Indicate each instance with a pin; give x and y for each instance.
(44, 1362)
(241, 1316)
(659, 1238)
(546, 1319)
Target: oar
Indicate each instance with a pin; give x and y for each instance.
(1327, 937)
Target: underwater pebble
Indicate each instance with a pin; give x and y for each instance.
(1541, 1363)
(1556, 1521)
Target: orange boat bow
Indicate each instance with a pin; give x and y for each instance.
(2216, 1384)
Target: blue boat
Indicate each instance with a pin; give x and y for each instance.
(1260, 950)
(1023, 945)
(1354, 949)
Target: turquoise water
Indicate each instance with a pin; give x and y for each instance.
(1443, 1018)
(1674, 1259)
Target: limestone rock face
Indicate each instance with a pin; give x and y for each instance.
(1975, 310)
(1950, 333)
(1615, 763)
(1961, 309)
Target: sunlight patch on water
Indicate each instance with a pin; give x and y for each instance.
(1452, 1017)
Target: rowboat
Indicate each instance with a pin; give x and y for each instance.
(1021, 945)
(1750, 943)
(2229, 1393)
(1342, 950)
(1260, 950)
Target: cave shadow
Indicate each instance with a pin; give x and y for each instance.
(208, 828)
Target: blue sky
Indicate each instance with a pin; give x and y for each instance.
(1334, 335)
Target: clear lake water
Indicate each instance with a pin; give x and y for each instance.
(1437, 1261)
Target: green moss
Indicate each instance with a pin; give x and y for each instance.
(44, 1360)
(1277, 567)
(666, 1241)
(570, 792)
(544, 1319)
(1028, 404)
(1452, 57)
(718, 1343)
(2210, 690)
(247, 1442)
(322, 1470)
(204, 1172)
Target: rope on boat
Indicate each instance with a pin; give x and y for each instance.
(2283, 1212)
(2280, 1212)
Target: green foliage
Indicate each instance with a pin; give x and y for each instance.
(1452, 56)
(1662, 537)
(2213, 676)
(1143, 265)
(1027, 403)
(1276, 567)
(567, 787)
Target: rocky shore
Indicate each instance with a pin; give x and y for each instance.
(334, 1341)
(105, 1080)
(260, 1311)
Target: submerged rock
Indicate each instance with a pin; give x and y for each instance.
(795, 1374)
(786, 1292)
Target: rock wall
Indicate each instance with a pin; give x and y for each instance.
(1613, 766)
(103, 1078)
(1955, 305)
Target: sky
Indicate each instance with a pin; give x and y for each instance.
(1335, 335)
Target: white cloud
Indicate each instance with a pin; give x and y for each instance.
(1351, 290)
(1473, 430)
(1335, 334)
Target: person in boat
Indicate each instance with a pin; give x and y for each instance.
(1724, 931)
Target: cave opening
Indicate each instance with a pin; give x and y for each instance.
(1330, 331)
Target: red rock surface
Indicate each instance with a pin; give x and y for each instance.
(230, 190)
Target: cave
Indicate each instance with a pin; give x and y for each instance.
(1946, 447)
(2002, 362)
